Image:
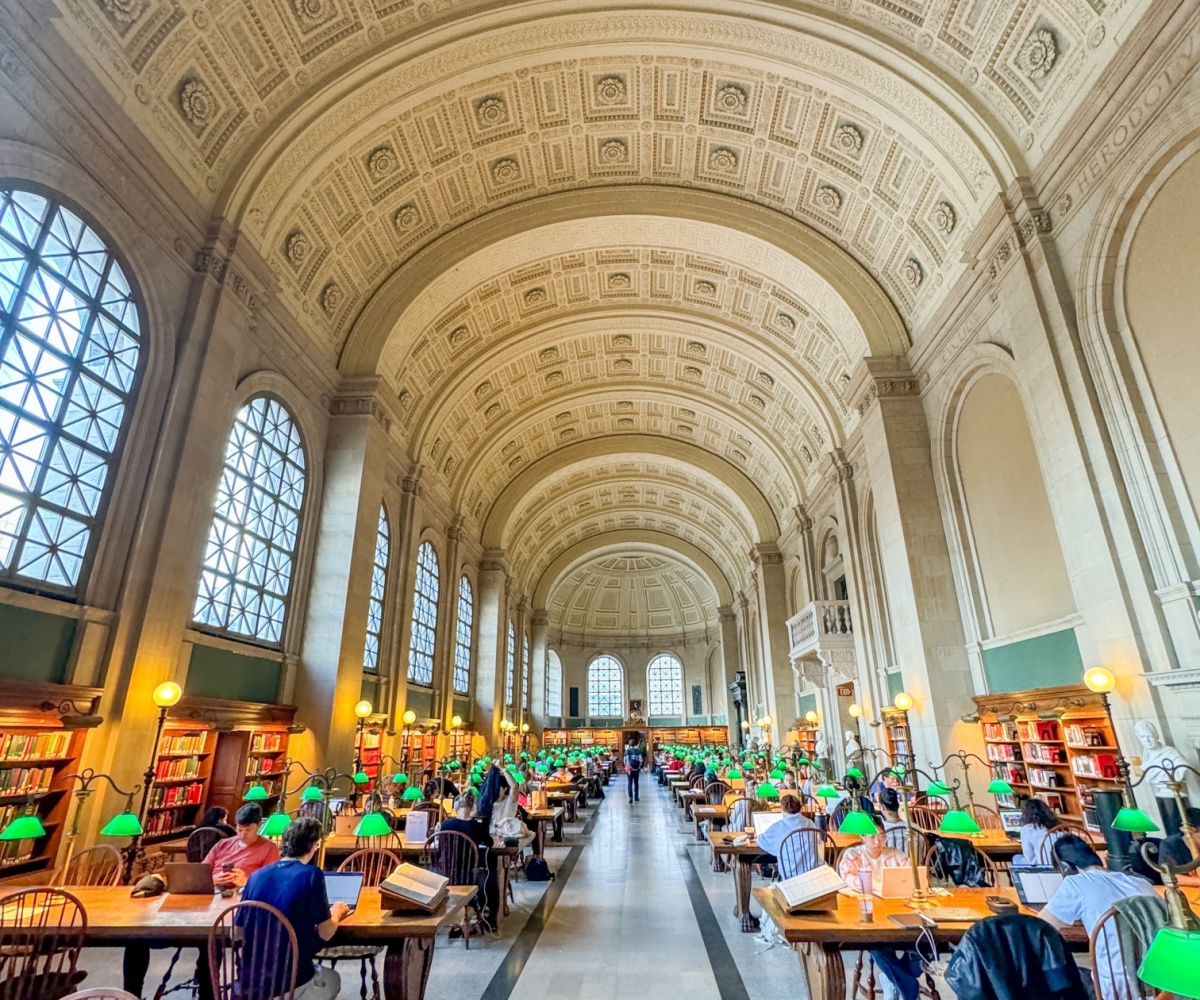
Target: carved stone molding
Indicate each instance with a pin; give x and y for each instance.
(726, 615)
(353, 406)
(540, 618)
(804, 520)
(766, 554)
(493, 562)
(815, 672)
(411, 482)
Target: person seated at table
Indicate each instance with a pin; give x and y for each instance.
(296, 887)
(217, 817)
(236, 858)
(465, 821)
(1037, 820)
(889, 810)
(1087, 890)
(696, 770)
(507, 800)
(804, 858)
(436, 789)
(872, 855)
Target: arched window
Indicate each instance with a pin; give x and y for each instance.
(246, 579)
(510, 652)
(553, 684)
(69, 346)
(378, 587)
(525, 672)
(605, 688)
(664, 685)
(462, 637)
(424, 617)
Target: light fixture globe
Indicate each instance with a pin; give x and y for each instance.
(456, 721)
(903, 701)
(1099, 680)
(167, 694)
(810, 716)
(855, 710)
(409, 717)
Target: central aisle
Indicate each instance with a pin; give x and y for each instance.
(623, 924)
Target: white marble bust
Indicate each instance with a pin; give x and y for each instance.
(853, 749)
(822, 746)
(1155, 753)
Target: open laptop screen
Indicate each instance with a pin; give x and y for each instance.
(1035, 884)
(344, 886)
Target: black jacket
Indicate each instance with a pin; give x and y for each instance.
(1014, 958)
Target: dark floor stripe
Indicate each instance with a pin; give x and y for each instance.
(504, 981)
(725, 970)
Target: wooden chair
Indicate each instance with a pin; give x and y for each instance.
(990, 872)
(41, 936)
(864, 985)
(926, 818)
(804, 850)
(376, 865)
(201, 840)
(97, 866)
(455, 856)
(897, 837)
(697, 782)
(252, 952)
(715, 792)
(1114, 976)
(102, 993)
(986, 817)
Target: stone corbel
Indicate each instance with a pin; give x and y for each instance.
(814, 671)
(881, 378)
(361, 397)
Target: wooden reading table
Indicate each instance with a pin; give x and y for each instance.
(689, 796)
(716, 816)
(567, 799)
(541, 817)
(115, 920)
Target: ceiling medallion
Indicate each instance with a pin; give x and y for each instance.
(535, 296)
(331, 297)
(614, 151)
(610, 90)
(619, 280)
(381, 162)
(706, 288)
(491, 111)
(506, 171)
(944, 218)
(828, 198)
(124, 11)
(848, 139)
(313, 12)
(913, 273)
(197, 103)
(407, 217)
(724, 159)
(297, 248)
(732, 99)
(1038, 55)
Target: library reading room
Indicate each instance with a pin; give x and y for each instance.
(587, 499)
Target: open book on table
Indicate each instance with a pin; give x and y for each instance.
(813, 890)
(411, 888)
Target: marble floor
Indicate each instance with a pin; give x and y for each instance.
(635, 910)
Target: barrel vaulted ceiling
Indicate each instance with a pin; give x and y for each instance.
(616, 260)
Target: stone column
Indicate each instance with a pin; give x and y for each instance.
(443, 650)
(730, 660)
(406, 556)
(537, 686)
(493, 626)
(927, 621)
(773, 633)
(330, 668)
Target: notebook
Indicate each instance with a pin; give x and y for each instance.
(1035, 884)
(344, 886)
(763, 821)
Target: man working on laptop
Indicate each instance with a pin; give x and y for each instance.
(772, 838)
(236, 858)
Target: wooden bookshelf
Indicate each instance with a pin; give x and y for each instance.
(1058, 748)
(38, 750)
(896, 734)
(246, 757)
(179, 792)
(368, 747)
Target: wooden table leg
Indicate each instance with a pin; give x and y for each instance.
(502, 883)
(742, 875)
(406, 968)
(696, 823)
(824, 971)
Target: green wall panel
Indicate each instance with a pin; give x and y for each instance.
(36, 645)
(222, 673)
(421, 702)
(895, 681)
(463, 707)
(808, 703)
(1051, 660)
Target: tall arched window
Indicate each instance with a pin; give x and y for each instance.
(553, 684)
(462, 637)
(424, 617)
(246, 578)
(378, 587)
(664, 685)
(509, 669)
(525, 672)
(605, 688)
(69, 346)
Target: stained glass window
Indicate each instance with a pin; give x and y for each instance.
(462, 637)
(510, 652)
(69, 347)
(664, 683)
(424, 617)
(605, 689)
(553, 684)
(247, 574)
(378, 587)
(525, 672)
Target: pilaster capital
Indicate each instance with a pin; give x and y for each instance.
(804, 520)
(358, 397)
(766, 554)
(455, 530)
(540, 619)
(493, 562)
(743, 602)
(882, 378)
(410, 482)
(726, 615)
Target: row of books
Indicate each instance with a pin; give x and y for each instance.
(34, 746)
(1003, 752)
(1054, 800)
(1038, 731)
(191, 743)
(163, 822)
(261, 765)
(23, 780)
(995, 731)
(180, 767)
(1083, 735)
(1044, 754)
(1051, 779)
(1099, 765)
(267, 741)
(177, 795)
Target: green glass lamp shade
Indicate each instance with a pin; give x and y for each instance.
(412, 794)
(776, 775)
(456, 765)
(560, 763)
(999, 787)
(733, 774)
(476, 778)
(274, 825)
(854, 772)
(486, 761)
(516, 773)
(542, 769)
(858, 823)
(1134, 821)
(361, 778)
(958, 821)
(400, 778)
(256, 793)
(124, 824)
(898, 771)
(311, 794)
(803, 762)
(827, 792)
(23, 828)
(541, 754)
(373, 825)
(938, 789)
(1172, 962)
(508, 758)
(767, 791)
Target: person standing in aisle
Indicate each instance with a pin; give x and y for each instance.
(633, 768)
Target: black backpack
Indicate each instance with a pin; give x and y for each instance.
(536, 870)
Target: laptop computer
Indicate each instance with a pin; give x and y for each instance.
(897, 883)
(1035, 884)
(763, 821)
(344, 886)
(189, 878)
(345, 823)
